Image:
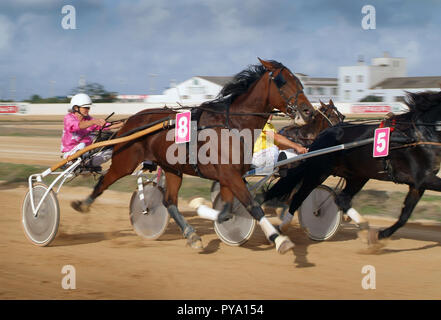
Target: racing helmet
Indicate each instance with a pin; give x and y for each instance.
(80, 100)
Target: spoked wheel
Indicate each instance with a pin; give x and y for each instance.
(42, 228)
(148, 215)
(238, 229)
(319, 215)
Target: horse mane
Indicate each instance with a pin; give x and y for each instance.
(244, 79)
(240, 84)
(422, 101)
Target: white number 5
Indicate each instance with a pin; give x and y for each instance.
(381, 141)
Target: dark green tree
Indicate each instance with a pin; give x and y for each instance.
(35, 98)
(372, 98)
(96, 91)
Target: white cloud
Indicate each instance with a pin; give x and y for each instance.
(131, 39)
(6, 34)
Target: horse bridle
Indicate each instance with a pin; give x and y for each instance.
(340, 116)
(280, 82)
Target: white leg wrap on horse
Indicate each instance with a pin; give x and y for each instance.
(267, 227)
(354, 215)
(287, 218)
(280, 239)
(207, 212)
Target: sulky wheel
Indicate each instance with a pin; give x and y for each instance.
(319, 215)
(148, 215)
(238, 229)
(42, 228)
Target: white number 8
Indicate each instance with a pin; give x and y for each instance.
(182, 127)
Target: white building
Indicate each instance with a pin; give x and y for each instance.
(193, 91)
(317, 89)
(355, 82)
(393, 89)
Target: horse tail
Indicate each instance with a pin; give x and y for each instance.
(283, 188)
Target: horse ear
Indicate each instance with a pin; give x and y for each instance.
(322, 104)
(331, 102)
(268, 66)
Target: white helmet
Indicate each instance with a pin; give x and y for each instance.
(80, 100)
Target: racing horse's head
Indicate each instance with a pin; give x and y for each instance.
(330, 113)
(286, 92)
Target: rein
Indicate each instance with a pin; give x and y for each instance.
(414, 144)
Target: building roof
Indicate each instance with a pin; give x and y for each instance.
(217, 80)
(323, 79)
(409, 83)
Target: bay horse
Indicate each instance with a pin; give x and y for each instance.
(414, 159)
(327, 116)
(244, 103)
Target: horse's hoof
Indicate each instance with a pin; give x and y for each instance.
(194, 241)
(283, 244)
(224, 217)
(196, 202)
(80, 206)
(370, 238)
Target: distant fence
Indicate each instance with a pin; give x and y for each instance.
(22, 108)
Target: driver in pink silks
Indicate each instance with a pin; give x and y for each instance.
(78, 126)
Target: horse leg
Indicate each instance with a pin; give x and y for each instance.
(309, 183)
(173, 182)
(119, 168)
(412, 198)
(227, 197)
(432, 183)
(414, 195)
(344, 200)
(238, 187)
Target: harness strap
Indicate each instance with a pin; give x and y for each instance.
(194, 165)
(387, 164)
(392, 126)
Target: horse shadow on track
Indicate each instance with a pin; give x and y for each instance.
(303, 242)
(72, 239)
(258, 241)
(202, 226)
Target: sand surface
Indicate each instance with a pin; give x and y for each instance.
(112, 262)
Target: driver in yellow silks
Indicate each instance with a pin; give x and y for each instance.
(268, 145)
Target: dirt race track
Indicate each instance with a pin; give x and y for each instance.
(112, 262)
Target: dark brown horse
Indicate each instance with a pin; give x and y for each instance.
(327, 116)
(245, 103)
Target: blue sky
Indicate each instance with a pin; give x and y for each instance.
(120, 44)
